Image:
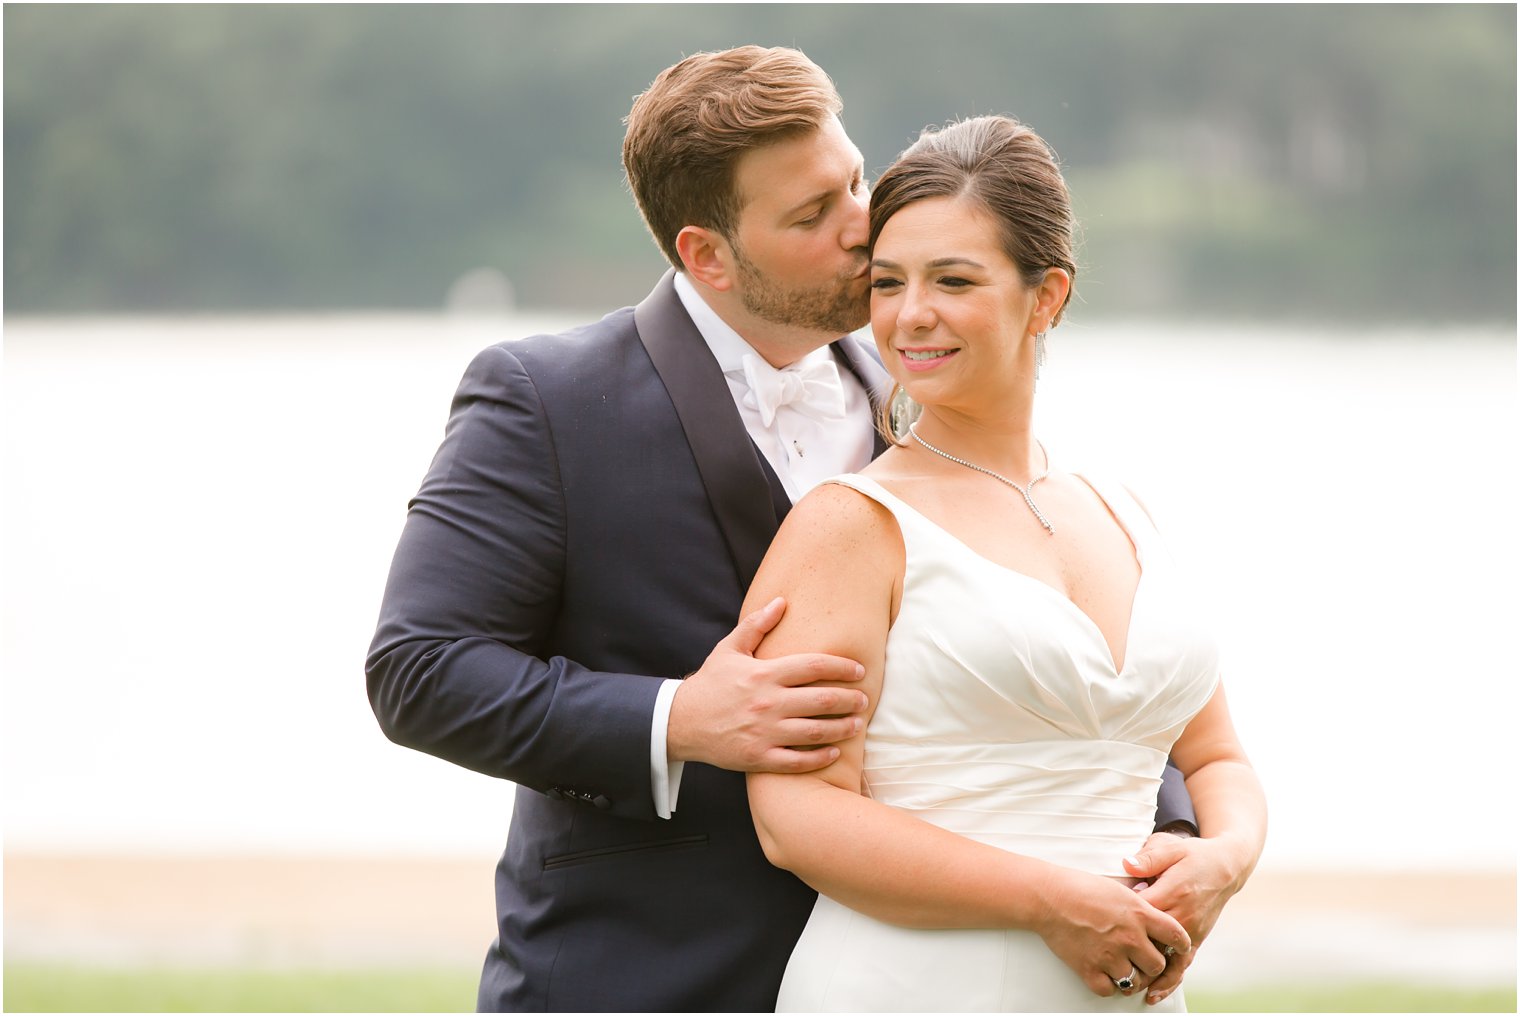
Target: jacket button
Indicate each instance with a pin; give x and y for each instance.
(555, 793)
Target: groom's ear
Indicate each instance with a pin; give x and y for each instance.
(707, 257)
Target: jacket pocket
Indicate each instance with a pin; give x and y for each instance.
(623, 850)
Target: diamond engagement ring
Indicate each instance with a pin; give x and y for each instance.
(1126, 982)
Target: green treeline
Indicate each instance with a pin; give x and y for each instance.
(1280, 161)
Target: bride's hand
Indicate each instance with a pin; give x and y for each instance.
(1105, 932)
(1191, 879)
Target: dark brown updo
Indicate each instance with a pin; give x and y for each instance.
(1006, 168)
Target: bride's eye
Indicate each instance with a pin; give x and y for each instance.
(954, 281)
(884, 284)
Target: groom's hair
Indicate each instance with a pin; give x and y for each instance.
(687, 132)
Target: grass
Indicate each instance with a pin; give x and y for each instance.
(32, 987)
(1356, 997)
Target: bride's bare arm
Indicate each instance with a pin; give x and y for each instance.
(1231, 807)
(838, 560)
(1192, 879)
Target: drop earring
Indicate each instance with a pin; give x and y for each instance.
(1039, 354)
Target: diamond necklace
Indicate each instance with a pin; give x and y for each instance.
(998, 476)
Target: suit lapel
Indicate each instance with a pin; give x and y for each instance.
(726, 458)
(747, 499)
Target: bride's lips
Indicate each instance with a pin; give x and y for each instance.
(925, 363)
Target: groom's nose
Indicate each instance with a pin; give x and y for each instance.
(857, 228)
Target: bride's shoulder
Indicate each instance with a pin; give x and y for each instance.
(835, 542)
(842, 519)
(847, 506)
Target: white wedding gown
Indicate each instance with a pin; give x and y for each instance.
(1002, 718)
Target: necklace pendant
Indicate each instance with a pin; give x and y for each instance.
(913, 430)
(1038, 514)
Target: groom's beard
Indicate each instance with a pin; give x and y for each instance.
(839, 306)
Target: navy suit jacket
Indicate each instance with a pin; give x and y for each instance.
(588, 528)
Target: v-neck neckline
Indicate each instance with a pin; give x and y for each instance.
(1108, 651)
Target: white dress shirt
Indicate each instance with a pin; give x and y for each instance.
(805, 445)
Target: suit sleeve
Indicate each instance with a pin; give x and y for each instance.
(1172, 802)
(458, 667)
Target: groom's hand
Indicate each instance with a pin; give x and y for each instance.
(749, 715)
(1191, 879)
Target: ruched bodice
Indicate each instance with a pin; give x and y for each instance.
(1003, 718)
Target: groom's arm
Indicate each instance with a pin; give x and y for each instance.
(1174, 808)
(459, 665)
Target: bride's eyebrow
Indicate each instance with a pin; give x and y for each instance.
(949, 262)
(893, 266)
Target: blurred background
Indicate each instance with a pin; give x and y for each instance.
(248, 251)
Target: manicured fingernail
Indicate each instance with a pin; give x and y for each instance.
(1152, 999)
(856, 727)
(1132, 862)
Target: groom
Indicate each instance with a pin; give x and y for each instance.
(585, 537)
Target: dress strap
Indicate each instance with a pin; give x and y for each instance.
(1131, 514)
(875, 491)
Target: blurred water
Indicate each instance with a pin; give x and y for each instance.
(199, 515)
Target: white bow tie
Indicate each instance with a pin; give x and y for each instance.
(812, 388)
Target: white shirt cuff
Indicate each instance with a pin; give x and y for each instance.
(664, 775)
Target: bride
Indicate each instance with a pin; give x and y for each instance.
(1031, 657)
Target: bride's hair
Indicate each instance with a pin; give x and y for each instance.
(1006, 168)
